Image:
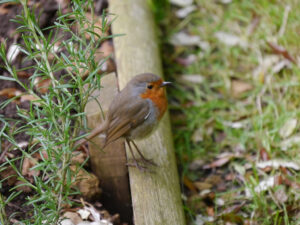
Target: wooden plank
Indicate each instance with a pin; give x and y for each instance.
(156, 197)
(109, 164)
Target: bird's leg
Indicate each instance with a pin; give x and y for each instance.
(135, 162)
(145, 160)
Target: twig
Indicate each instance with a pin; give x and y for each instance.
(284, 20)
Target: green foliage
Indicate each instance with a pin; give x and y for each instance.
(56, 117)
(213, 108)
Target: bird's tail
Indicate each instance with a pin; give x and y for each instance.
(96, 131)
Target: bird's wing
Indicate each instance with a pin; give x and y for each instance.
(126, 117)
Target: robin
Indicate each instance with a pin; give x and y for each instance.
(134, 113)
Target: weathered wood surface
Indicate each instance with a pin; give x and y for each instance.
(156, 197)
(109, 164)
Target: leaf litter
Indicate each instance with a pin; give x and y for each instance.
(251, 69)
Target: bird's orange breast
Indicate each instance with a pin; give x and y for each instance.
(158, 97)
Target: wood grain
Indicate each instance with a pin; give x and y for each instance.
(156, 196)
(109, 164)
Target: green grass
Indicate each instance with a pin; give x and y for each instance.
(211, 105)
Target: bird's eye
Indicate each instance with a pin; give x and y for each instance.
(150, 86)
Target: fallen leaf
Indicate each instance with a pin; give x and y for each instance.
(262, 186)
(238, 87)
(183, 39)
(230, 39)
(66, 222)
(191, 79)
(190, 59)
(276, 163)
(280, 50)
(31, 98)
(24, 74)
(87, 183)
(254, 23)
(10, 175)
(97, 26)
(281, 195)
(84, 213)
(28, 163)
(73, 216)
(78, 157)
(13, 52)
(10, 92)
(23, 188)
(220, 202)
(197, 135)
(221, 161)
(42, 85)
(106, 49)
(5, 8)
(213, 179)
(265, 65)
(240, 169)
(184, 12)
(210, 211)
(182, 3)
(281, 65)
(189, 184)
(233, 209)
(290, 142)
(235, 125)
(202, 185)
(264, 156)
(288, 128)
(196, 164)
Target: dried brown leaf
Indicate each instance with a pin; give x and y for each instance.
(264, 156)
(87, 183)
(10, 92)
(254, 23)
(281, 195)
(97, 25)
(24, 188)
(238, 87)
(73, 216)
(23, 74)
(106, 49)
(42, 86)
(10, 176)
(28, 163)
(190, 59)
(189, 184)
(210, 211)
(219, 162)
(196, 164)
(233, 209)
(202, 185)
(280, 50)
(29, 97)
(277, 163)
(5, 7)
(78, 157)
(288, 128)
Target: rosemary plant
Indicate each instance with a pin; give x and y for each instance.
(55, 117)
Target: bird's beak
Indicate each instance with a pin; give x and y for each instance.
(165, 83)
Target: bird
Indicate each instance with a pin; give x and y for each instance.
(134, 113)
